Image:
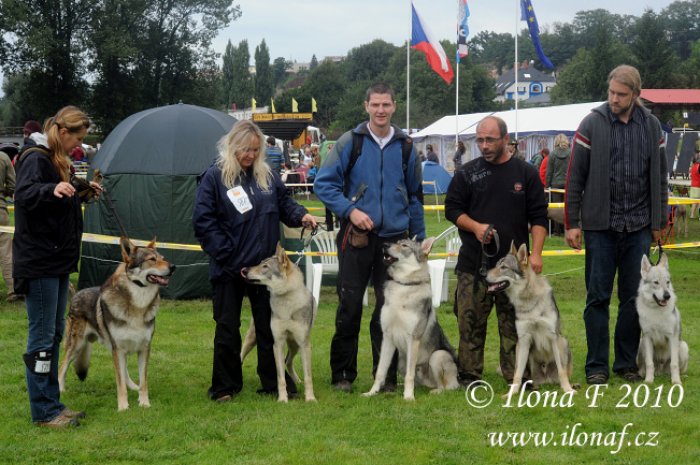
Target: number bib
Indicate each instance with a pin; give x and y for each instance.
(239, 199)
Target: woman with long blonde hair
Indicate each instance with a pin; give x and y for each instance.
(236, 218)
(46, 249)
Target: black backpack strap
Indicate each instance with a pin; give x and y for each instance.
(357, 140)
(34, 148)
(406, 147)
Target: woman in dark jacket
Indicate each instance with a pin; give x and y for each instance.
(556, 172)
(46, 249)
(238, 207)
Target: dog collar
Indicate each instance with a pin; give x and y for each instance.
(409, 283)
(138, 283)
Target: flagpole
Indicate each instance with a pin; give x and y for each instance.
(408, 84)
(408, 70)
(457, 61)
(515, 66)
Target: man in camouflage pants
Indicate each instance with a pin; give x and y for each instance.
(492, 200)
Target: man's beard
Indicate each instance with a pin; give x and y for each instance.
(625, 110)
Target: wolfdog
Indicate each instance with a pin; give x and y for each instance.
(540, 341)
(409, 324)
(121, 315)
(661, 348)
(293, 313)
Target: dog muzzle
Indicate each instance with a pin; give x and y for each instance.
(389, 260)
(662, 302)
(495, 288)
(159, 280)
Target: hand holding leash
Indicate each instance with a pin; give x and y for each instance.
(309, 222)
(361, 219)
(484, 233)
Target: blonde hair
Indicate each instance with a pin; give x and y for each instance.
(628, 76)
(236, 141)
(72, 119)
(561, 141)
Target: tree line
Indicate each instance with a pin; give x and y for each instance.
(117, 57)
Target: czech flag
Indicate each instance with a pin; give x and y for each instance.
(422, 40)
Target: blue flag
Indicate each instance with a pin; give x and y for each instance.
(528, 15)
(462, 30)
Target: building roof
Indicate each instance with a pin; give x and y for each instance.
(669, 96)
(529, 74)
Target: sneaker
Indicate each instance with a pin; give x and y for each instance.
(72, 413)
(597, 378)
(343, 386)
(61, 421)
(630, 375)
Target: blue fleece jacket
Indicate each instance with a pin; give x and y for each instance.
(376, 184)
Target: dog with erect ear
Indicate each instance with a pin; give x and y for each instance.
(293, 313)
(409, 324)
(540, 342)
(661, 349)
(121, 314)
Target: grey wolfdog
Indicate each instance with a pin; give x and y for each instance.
(293, 313)
(661, 348)
(121, 315)
(409, 324)
(540, 341)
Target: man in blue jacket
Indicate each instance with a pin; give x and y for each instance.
(367, 183)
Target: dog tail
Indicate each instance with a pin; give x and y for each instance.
(82, 362)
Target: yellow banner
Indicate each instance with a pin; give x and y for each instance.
(276, 116)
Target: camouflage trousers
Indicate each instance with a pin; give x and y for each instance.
(472, 308)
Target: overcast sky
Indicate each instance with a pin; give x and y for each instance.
(298, 29)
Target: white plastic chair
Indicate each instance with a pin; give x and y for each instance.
(440, 269)
(324, 242)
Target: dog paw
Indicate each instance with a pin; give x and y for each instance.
(648, 380)
(409, 397)
(121, 408)
(436, 391)
(676, 381)
(310, 398)
(370, 393)
(144, 404)
(283, 399)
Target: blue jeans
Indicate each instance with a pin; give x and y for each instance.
(46, 306)
(607, 253)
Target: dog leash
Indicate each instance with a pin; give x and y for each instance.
(661, 251)
(113, 210)
(485, 253)
(305, 243)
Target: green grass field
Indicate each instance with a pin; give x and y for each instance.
(660, 424)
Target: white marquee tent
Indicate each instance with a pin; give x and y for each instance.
(536, 128)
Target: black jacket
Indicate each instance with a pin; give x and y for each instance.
(48, 230)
